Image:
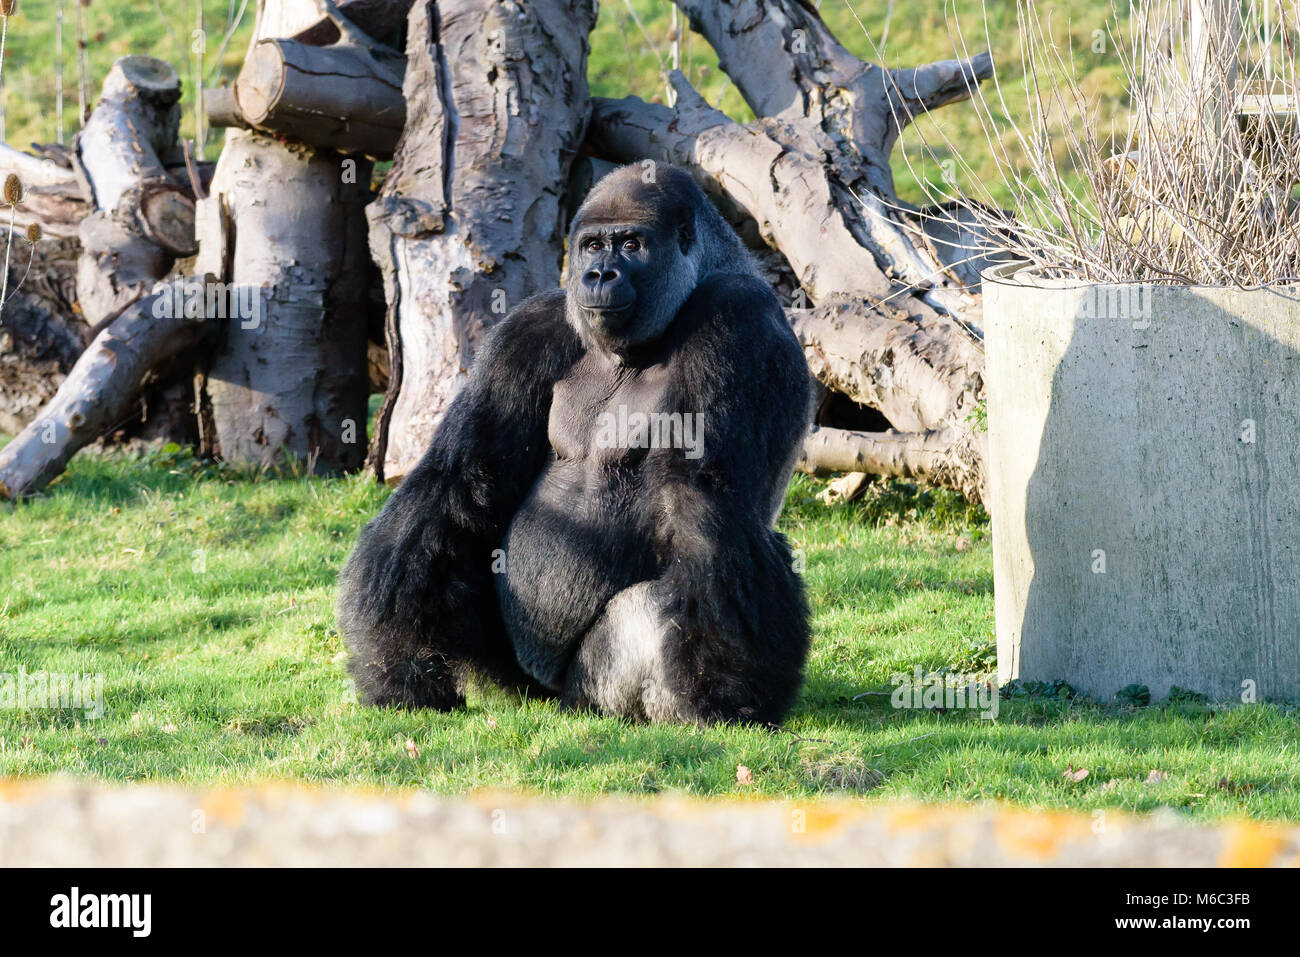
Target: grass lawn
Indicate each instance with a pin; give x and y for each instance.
(204, 597)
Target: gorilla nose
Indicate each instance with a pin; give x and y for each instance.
(605, 289)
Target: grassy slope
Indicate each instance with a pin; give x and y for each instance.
(622, 59)
(206, 602)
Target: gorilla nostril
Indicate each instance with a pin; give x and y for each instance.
(592, 276)
(610, 275)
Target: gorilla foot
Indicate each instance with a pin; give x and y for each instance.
(414, 683)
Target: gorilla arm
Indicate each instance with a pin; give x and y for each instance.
(417, 605)
(735, 618)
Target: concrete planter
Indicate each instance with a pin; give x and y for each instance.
(1145, 485)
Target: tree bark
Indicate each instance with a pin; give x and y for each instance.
(290, 372)
(470, 220)
(896, 324)
(99, 391)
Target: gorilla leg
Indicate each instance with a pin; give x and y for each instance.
(619, 667)
(699, 647)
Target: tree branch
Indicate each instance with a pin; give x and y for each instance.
(787, 193)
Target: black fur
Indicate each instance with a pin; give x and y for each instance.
(640, 580)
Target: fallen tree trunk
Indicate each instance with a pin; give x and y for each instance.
(470, 220)
(100, 389)
(925, 456)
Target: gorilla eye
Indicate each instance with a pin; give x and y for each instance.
(593, 245)
(631, 245)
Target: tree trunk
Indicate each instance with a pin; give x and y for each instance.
(895, 324)
(470, 220)
(290, 373)
(285, 228)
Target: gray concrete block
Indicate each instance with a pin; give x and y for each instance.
(1145, 485)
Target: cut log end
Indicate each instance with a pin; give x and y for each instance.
(261, 83)
(166, 215)
(150, 76)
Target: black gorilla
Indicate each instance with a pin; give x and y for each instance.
(593, 518)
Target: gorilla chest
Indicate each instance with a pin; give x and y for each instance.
(607, 415)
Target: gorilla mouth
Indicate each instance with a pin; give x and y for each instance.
(608, 310)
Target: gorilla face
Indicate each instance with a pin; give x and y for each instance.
(633, 260)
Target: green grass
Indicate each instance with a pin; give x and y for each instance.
(622, 61)
(204, 595)
(204, 598)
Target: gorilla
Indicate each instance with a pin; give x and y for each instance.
(593, 520)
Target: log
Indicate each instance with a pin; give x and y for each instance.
(339, 97)
(222, 108)
(141, 222)
(501, 90)
(922, 456)
(34, 170)
(101, 388)
(52, 195)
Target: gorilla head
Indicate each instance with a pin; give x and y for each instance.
(642, 241)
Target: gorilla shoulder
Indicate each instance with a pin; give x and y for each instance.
(739, 312)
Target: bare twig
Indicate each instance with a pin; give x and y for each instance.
(1171, 197)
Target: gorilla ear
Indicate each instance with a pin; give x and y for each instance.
(686, 235)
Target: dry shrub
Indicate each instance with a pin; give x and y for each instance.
(1191, 180)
